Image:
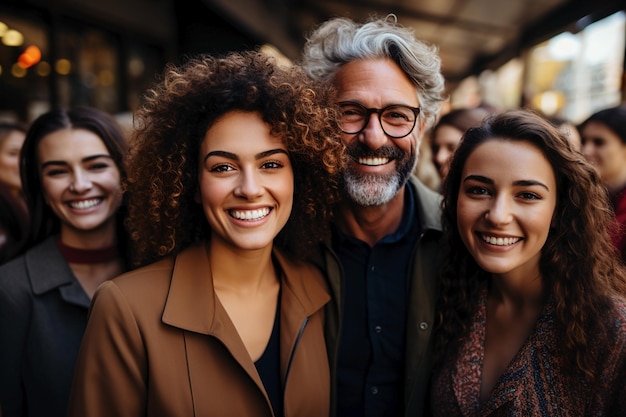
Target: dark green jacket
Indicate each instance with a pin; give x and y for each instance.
(425, 262)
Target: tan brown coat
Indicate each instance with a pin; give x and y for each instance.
(159, 343)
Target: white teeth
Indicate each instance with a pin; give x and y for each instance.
(250, 214)
(373, 161)
(500, 241)
(85, 204)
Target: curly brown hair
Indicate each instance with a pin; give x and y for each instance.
(163, 216)
(579, 266)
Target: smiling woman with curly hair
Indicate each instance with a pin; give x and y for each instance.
(232, 177)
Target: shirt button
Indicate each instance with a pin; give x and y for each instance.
(423, 325)
(372, 268)
(378, 329)
(374, 390)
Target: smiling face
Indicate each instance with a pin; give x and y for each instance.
(606, 151)
(505, 206)
(246, 181)
(9, 159)
(445, 142)
(80, 182)
(379, 165)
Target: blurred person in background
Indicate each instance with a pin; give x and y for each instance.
(11, 139)
(425, 170)
(12, 136)
(569, 129)
(71, 168)
(448, 131)
(14, 223)
(604, 145)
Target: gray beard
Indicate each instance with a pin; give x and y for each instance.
(377, 190)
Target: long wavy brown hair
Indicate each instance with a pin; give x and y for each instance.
(163, 216)
(580, 268)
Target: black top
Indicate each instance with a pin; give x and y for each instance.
(268, 367)
(372, 341)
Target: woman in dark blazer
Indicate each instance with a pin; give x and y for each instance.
(232, 176)
(71, 168)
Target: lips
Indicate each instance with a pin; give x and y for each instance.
(499, 241)
(85, 204)
(250, 215)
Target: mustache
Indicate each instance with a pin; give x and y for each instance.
(359, 150)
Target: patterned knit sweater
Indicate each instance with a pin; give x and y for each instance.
(536, 382)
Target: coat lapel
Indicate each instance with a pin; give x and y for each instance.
(301, 297)
(48, 270)
(192, 304)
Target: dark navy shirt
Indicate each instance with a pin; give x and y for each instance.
(375, 291)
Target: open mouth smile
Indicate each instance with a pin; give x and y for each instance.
(250, 215)
(85, 204)
(499, 241)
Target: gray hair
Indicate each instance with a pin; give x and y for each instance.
(340, 40)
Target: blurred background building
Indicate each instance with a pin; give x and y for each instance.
(563, 57)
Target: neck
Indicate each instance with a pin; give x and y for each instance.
(371, 224)
(240, 270)
(519, 292)
(74, 255)
(98, 238)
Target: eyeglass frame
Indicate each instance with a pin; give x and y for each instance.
(370, 110)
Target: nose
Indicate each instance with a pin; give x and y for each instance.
(373, 135)
(441, 157)
(500, 212)
(249, 185)
(80, 182)
(587, 148)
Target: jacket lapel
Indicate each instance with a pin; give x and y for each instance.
(48, 270)
(192, 305)
(301, 297)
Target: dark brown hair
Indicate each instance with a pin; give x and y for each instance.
(580, 268)
(44, 222)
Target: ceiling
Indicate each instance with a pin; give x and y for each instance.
(471, 34)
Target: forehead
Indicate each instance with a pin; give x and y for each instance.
(69, 144)
(598, 129)
(241, 133)
(509, 160)
(375, 83)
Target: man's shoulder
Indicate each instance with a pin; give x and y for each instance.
(428, 204)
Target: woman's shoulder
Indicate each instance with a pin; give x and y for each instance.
(37, 270)
(151, 274)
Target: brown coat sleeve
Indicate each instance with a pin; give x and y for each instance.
(109, 379)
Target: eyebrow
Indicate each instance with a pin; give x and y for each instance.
(86, 159)
(524, 183)
(235, 157)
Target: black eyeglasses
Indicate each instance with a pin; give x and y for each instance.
(396, 120)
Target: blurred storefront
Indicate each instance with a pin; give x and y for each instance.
(570, 75)
(102, 54)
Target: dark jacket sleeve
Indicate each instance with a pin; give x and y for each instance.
(14, 318)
